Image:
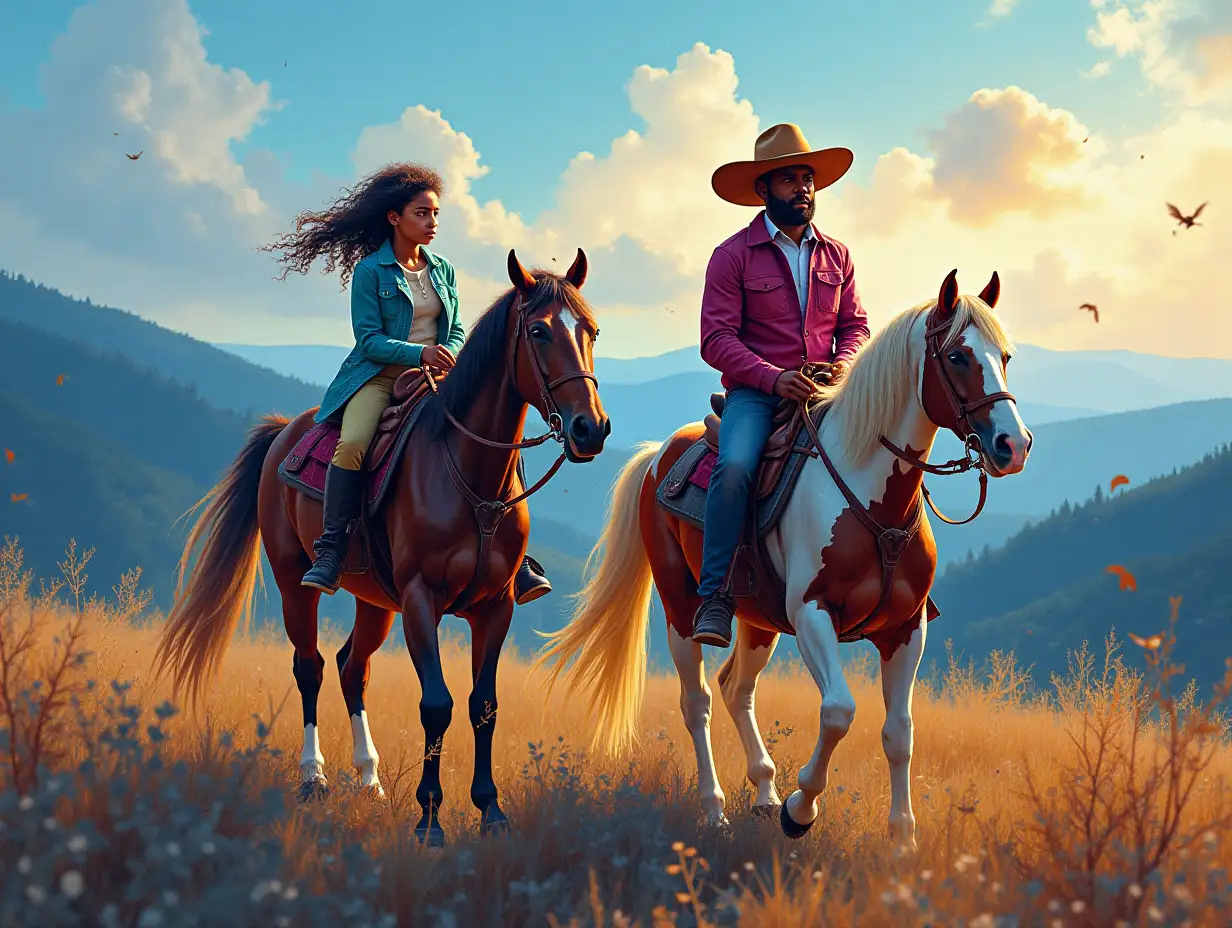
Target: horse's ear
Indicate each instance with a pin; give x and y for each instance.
(519, 276)
(576, 274)
(947, 299)
(992, 292)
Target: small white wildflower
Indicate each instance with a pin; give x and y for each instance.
(275, 886)
(1154, 914)
(926, 875)
(1210, 839)
(984, 920)
(904, 892)
(71, 883)
(887, 898)
(1077, 906)
(26, 804)
(1054, 906)
(1057, 923)
(1135, 890)
(749, 866)
(1181, 893)
(207, 847)
(24, 864)
(78, 843)
(959, 865)
(981, 877)
(173, 849)
(50, 824)
(816, 876)
(171, 898)
(260, 891)
(150, 918)
(735, 877)
(36, 894)
(291, 893)
(996, 887)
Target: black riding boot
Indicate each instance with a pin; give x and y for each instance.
(343, 497)
(712, 623)
(530, 583)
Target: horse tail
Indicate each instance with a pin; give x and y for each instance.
(607, 631)
(221, 584)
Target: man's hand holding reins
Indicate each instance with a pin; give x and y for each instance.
(794, 386)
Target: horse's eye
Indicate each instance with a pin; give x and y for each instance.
(957, 358)
(541, 332)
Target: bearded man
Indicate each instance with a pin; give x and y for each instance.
(778, 294)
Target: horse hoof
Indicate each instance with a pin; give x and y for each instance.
(766, 811)
(374, 792)
(432, 838)
(493, 822)
(312, 790)
(790, 826)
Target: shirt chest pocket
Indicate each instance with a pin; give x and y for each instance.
(391, 301)
(827, 288)
(765, 296)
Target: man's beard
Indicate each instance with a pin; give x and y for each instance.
(786, 213)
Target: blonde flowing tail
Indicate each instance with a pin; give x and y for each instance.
(607, 631)
(219, 588)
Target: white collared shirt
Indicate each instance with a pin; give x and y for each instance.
(798, 256)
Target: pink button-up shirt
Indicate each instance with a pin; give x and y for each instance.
(752, 328)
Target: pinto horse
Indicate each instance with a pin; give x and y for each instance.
(533, 347)
(938, 365)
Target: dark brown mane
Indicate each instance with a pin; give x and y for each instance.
(486, 347)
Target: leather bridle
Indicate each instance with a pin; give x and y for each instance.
(958, 420)
(490, 513)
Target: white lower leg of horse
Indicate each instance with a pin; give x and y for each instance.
(898, 676)
(311, 760)
(739, 691)
(365, 758)
(818, 645)
(695, 707)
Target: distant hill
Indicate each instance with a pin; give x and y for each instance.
(219, 376)
(1174, 533)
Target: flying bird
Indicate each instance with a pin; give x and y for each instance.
(1086, 138)
(1119, 480)
(134, 157)
(1187, 221)
(60, 380)
(1149, 643)
(115, 133)
(9, 455)
(1125, 580)
(17, 497)
(1093, 308)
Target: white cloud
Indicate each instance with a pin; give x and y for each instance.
(1005, 183)
(1099, 69)
(1182, 45)
(1002, 7)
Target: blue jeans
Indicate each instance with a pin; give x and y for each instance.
(743, 431)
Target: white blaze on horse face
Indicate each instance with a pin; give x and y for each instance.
(1003, 414)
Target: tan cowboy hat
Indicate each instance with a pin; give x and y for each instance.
(778, 146)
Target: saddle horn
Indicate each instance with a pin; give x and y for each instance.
(519, 276)
(992, 292)
(947, 299)
(576, 274)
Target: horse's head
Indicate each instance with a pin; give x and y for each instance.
(553, 359)
(965, 374)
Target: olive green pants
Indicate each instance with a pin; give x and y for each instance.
(361, 417)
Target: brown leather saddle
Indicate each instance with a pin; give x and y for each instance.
(304, 469)
(786, 426)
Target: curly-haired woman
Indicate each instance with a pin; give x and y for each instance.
(404, 312)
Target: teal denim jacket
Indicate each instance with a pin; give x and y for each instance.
(381, 314)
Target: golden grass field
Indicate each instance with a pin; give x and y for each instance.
(1091, 803)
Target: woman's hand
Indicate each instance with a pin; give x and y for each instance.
(437, 356)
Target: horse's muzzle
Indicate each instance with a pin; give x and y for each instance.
(586, 435)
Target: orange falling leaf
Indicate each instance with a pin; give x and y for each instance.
(1126, 580)
(18, 497)
(60, 380)
(1119, 480)
(1150, 643)
(9, 455)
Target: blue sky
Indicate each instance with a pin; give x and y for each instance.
(534, 83)
(982, 140)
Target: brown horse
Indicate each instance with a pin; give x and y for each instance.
(534, 346)
(941, 364)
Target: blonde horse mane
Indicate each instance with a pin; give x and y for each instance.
(882, 377)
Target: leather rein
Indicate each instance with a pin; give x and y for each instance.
(490, 513)
(892, 542)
